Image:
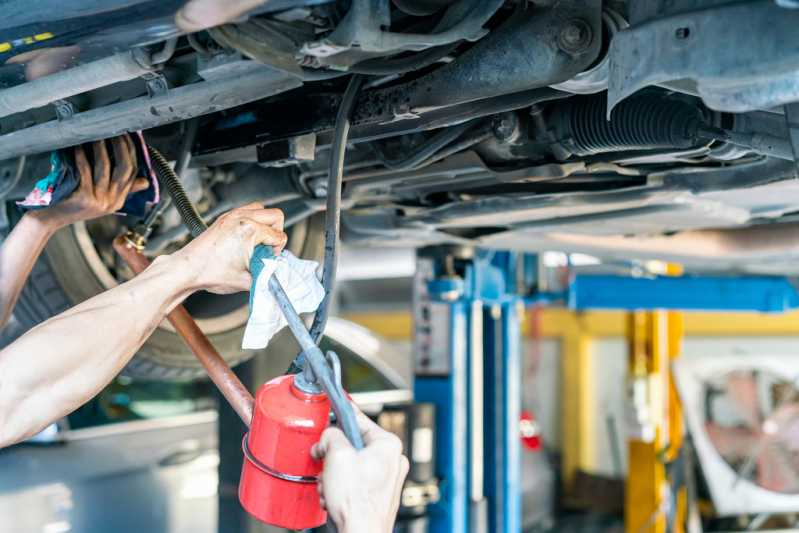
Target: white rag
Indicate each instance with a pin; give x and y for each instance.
(298, 278)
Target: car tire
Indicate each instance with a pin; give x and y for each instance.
(63, 277)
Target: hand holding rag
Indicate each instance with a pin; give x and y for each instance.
(298, 278)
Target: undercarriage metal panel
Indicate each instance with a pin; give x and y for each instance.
(742, 56)
(624, 224)
(701, 192)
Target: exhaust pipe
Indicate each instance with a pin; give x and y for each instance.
(76, 80)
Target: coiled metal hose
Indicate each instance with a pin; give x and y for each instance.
(188, 213)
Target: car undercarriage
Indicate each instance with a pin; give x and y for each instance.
(627, 130)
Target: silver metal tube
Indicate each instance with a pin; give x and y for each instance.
(76, 80)
(146, 112)
(338, 401)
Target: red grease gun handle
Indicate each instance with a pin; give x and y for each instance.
(314, 357)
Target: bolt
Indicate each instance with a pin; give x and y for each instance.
(319, 188)
(506, 127)
(575, 36)
(63, 109)
(403, 111)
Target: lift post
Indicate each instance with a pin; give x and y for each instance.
(653, 503)
(468, 363)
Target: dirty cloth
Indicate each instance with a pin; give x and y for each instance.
(63, 179)
(298, 278)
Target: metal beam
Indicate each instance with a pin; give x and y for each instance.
(147, 112)
(708, 293)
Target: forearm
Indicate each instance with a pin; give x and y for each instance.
(17, 257)
(62, 363)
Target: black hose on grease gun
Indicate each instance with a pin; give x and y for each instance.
(311, 357)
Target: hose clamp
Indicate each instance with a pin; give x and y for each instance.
(134, 240)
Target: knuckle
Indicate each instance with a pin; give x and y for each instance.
(278, 214)
(245, 227)
(405, 465)
(394, 443)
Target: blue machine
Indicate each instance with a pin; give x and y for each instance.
(468, 363)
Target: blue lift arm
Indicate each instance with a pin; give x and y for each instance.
(766, 294)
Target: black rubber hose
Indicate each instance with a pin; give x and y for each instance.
(434, 145)
(191, 218)
(644, 121)
(333, 216)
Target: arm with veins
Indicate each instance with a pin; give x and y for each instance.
(65, 361)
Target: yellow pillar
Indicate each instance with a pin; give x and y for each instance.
(576, 395)
(654, 342)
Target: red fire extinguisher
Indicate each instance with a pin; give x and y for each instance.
(279, 476)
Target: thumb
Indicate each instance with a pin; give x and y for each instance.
(140, 184)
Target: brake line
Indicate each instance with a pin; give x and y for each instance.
(333, 217)
(436, 143)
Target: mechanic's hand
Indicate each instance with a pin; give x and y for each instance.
(361, 489)
(221, 256)
(102, 190)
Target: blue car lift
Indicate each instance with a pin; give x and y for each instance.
(468, 363)
(467, 306)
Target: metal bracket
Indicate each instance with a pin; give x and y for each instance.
(362, 28)
(792, 121)
(157, 84)
(63, 109)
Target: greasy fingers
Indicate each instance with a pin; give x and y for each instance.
(102, 166)
(125, 160)
(102, 188)
(84, 170)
